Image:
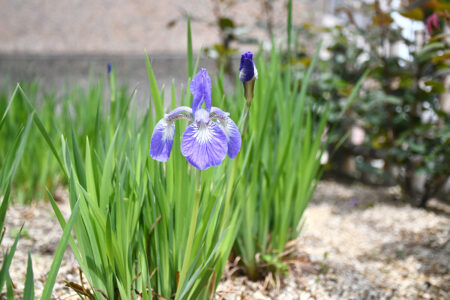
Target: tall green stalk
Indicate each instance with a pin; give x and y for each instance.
(192, 227)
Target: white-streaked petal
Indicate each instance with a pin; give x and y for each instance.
(162, 140)
(231, 131)
(204, 145)
(233, 136)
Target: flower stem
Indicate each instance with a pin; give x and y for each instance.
(243, 125)
(192, 227)
(246, 117)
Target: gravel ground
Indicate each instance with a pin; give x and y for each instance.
(358, 242)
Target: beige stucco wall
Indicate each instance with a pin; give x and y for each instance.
(129, 26)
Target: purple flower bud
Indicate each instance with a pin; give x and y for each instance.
(247, 67)
(109, 68)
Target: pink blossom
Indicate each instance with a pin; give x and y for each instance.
(432, 23)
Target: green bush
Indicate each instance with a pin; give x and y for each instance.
(398, 114)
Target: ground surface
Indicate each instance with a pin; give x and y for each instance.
(358, 243)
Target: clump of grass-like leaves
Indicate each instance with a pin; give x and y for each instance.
(8, 172)
(13, 150)
(142, 228)
(7, 176)
(38, 170)
(145, 229)
(285, 147)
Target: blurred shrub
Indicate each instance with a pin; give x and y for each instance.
(398, 130)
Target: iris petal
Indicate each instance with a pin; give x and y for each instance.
(204, 145)
(162, 140)
(233, 137)
(218, 111)
(173, 114)
(231, 131)
(201, 89)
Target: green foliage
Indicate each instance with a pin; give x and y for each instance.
(59, 253)
(399, 108)
(7, 259)
(28, 292)
(279, 165)
(32, 174)
(283, 150)
(138, 217)
(38, 169)
(144, 229)
(7, 174)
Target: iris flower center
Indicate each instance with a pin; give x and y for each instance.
(203, 134)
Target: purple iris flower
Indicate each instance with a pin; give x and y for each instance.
(247, 69)
(205, 142)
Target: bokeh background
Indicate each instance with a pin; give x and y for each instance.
(62, 42)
